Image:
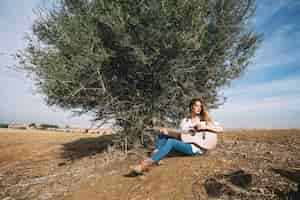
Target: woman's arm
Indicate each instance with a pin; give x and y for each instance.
(213, 127)
(209, 126)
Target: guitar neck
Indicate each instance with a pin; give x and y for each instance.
(171, 131)
(174, 131)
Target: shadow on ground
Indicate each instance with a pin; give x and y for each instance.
(86, 147)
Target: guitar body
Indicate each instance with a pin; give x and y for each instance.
(204, 139)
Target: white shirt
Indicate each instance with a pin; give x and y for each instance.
(187, 124)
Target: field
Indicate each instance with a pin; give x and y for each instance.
(47, 165)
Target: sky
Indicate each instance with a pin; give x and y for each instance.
(266, 96)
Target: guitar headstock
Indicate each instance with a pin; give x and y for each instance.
(148, 127)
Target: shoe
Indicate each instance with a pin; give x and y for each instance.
(144, 166)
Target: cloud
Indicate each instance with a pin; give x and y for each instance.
(284, 103)
(281, 44)
(280, 49)
(274, 104)
(285, 86)
(272, 112)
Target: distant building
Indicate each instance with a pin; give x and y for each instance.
(18, 126)
(101, 131)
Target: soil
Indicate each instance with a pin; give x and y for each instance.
(50, 165)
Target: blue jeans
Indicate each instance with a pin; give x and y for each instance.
(165, 144)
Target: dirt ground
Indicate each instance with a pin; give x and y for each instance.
(47, 165)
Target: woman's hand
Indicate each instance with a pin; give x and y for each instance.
(200, 126)
(164, 131)
(211, 127)
(197, 127)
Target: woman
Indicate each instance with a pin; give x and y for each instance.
(165, 143)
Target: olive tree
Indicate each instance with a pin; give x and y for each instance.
(133, 59)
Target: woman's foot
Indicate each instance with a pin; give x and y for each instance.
(152, 153)
(144, 166)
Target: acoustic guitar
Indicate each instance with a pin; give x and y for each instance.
(204, 139)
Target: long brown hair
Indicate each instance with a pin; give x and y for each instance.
(203, 114)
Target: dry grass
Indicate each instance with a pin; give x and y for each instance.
(49, 165)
